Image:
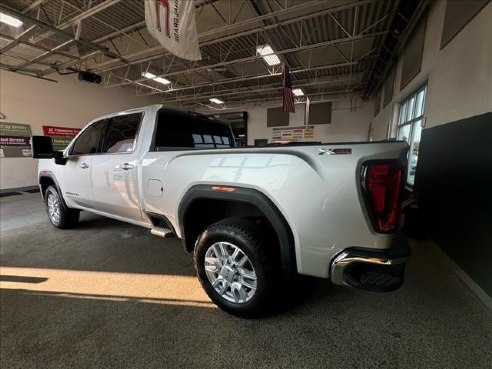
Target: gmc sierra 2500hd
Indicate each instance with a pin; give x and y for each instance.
(251, 216)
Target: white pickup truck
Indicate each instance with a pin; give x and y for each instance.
(253, 217)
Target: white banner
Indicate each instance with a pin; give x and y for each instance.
(172, 23)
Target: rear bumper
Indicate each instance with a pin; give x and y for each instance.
(372, 269)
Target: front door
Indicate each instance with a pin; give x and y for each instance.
(75, 181)
(75, 175)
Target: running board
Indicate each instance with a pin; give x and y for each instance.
(162, 232)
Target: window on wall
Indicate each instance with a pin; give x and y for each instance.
(410, 128)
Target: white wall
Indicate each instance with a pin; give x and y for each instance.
(69, 103)
(345, 125)
(459, 77)
(460, 83)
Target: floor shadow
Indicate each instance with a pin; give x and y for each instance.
(20, 279)
(98, 222)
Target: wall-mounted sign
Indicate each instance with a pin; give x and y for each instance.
(293, 134)
(15, 140)
(62, 136)
(54, 131)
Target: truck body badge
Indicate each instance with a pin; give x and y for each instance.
(343, 151)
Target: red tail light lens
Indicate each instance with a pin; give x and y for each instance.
(382, 182)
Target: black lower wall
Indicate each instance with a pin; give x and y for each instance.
(454, 178)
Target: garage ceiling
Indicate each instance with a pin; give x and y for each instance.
(332, 46)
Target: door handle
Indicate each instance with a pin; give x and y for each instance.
(126, 166)
(84, 166)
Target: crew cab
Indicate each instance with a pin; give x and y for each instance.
(252, 217)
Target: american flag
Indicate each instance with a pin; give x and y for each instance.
(288, 97)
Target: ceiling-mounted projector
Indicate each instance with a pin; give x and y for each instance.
(89, 77)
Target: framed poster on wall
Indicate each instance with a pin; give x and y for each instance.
(292, 134)
(15, 140)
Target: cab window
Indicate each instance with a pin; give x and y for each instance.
(183, 131)
(121, 133)
(90, 139)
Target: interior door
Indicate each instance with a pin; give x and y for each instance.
(115, 171)
(75, 176)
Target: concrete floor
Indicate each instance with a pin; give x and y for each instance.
(109, 294)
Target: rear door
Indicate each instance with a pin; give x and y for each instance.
(115, 171)
(75, 175)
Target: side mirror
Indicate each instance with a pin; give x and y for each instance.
(59, 158)
(41, 147)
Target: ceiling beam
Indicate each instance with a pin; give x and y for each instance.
(73, 21)
(47, 27)
(270, 101)
(35, 46)
(29, 73)
(256, 77)
(34, 5)
(228, 30)
(88, 13)
(141, 24)
(24, 36)
(251, 89)
(255, 57)
(45, 54)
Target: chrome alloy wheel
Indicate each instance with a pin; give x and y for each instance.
(230, 272)
(54, 208)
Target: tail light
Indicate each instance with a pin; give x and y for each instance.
(382, 183)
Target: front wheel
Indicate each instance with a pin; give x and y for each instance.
(236, 267)
(59, 214)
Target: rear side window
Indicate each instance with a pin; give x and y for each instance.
(90, 139)
(186, 131)
(121, 133)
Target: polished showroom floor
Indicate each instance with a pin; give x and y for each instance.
(109, 294)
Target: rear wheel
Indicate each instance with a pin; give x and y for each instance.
(236, 267)
(59, 214)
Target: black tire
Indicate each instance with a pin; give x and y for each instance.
(246, 236)
(68, 217)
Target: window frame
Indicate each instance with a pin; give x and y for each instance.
(108, 119)
(403, 107)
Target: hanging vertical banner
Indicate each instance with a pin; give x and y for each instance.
(15, 140)
(61, 136)
(173, 24)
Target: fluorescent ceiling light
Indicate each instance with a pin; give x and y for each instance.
(11, 21)
(216, 101)
(297, 92)
(162, 80)
(148, 75)
(155, 78)
(267, 53)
